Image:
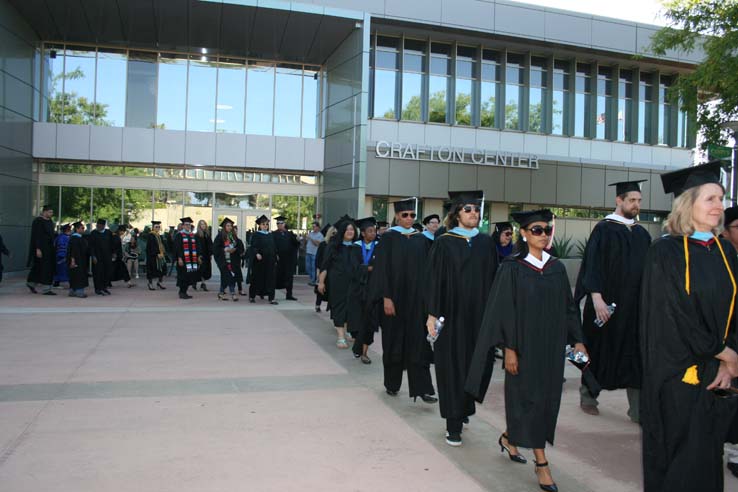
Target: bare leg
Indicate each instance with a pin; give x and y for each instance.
(542, 472)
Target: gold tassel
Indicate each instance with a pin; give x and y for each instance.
(690, 376)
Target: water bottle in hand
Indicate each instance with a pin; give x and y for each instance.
(611, 310)
(438, 326)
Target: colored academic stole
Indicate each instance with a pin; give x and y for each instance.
(366, 252)
(189, 247)
(226, 245)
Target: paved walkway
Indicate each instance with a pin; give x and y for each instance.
(141, 391)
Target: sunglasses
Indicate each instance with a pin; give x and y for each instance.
(405, 215)
(471, 208)
(508, 233)
(538, 230)
(280, 222)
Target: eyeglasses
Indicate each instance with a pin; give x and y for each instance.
(538, 230)
(405, 215)
(471, 208)
(280, 222)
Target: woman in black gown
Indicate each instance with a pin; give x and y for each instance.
(688, 339)
(340, 265)
(262, 262)
(225, 252)
(328, 232)
(205, 249)
(541, 317)
(156, 258)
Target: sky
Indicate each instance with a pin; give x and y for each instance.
(646, 11)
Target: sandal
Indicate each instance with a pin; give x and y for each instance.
(341, 343)
(365, 359)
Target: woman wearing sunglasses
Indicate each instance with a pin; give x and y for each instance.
(532, 289)
(502, 237)
(688, 338)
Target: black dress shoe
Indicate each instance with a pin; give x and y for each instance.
(32, 289)
(151, 287)
(107, 292)
(49, 293)
(429, 398)
(273, 302)
(252, 300)
(392, 393)
(517, 458)
(291, 298)
(184, 295)
(99, 292)
(158, 284)
(733, 467)
(547, 487)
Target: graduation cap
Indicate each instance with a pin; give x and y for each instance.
(77, 225)
(262, 219)
(731, 214)
(155, 222)
(623, 187)
(502, 226)
(366, 222)
(431, 217)
(325, 228)
(463, 197)
(226, 221)
(186, 220)
(280, 219)
(406, 204)
(46, 208)
(122, 228)
(382, 223)
(66, 227)
(418, 227)
(525, 218)
(678, 182)
(102, 221)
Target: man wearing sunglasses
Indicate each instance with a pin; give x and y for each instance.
(397, 286)
(461, 268)
(611, 271)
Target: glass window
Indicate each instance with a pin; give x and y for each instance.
(490, 87)
(560, 99)
(625, 106)
(438, 84)
(137, 208)
(107, 204)
(79, 86)
(386, 57)
(201, 95)
(682, 128)
(141, 90)
(75, 205)
(139, 171)
(108, 170)
(199, 206)
(231, 96)
(466, 75)
(288, 101)
(664, 131)
(604, 102)
(172, 92)
(514, 90)
(53, 83)
(310, 98)
(111, 88)
(413, 70)
(235, 200)
(537, 95)
(259, 98)
(583, 100)
(168, 208)
(645, 107)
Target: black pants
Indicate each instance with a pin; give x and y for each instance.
(418, 378)
(288, 281)
(102, 272)
(454, 426)
(252, 291)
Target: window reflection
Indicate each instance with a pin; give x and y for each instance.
(199, 206)
(466, 74)
(201, 95)
(583, 100)
(560, 99)
(604, 103)
(235, 200)
(438, 82)
(172, 91)
(664, 130)
(645, 107)
(412, 79)
(490, 87)
(53, 83)
(310, 98)
(287, 101)
(386, 58)
(513, 90)
(260, 98)
(79, 87)
(111, 89)
(231, 96)
(141, 90)
(625, 106)
(538, 95)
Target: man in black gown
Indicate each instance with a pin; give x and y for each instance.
(461, 267)
(101, 254)
(187, 258)
(287, 246)
(41, 253)
(396, 284)
(611, 272)
(262, 262)
(78, 261)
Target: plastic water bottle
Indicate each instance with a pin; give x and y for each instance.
(438, 326)
(610, 309)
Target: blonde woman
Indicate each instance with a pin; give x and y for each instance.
(328, 232)
(688, 339)
(156, 262)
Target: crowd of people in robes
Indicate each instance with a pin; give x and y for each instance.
(658, 317)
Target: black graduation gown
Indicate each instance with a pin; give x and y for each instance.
(186, 276)
(421, 352)
(531, 311)
(262, 272)
(231, 268)
(684, 425)
(120, 269)
(42, 237)
(3, 251)
(237, 258)
(613, 266)
(156, 267)
(460, 274)
(287, 246)
(77, 249)
(319, 256)
(205, 249)
(364, 319)
(101, 248)
(342, 264)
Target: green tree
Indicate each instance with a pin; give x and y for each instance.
(463, 109)
(70, 108)
(712, 88)
(411, 111)
(437, 107)
(488, 112)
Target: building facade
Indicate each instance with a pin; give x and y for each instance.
(137, 111)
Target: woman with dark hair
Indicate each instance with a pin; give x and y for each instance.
(540, 317)
(342, 259)
(364, 319)
(328, 232)
(156, 256)
(120, 269)
(206, 253)
(688, 338)
(225, 252)
(503, 239)
(61, 274)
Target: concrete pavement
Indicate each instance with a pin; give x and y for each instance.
(142, 391)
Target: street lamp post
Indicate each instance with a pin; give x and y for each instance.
(733, 127)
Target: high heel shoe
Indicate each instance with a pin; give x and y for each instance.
(151, 287)
(550, 487)
(158, 284)
(517, 458)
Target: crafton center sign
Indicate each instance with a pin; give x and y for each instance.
(447, 154)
